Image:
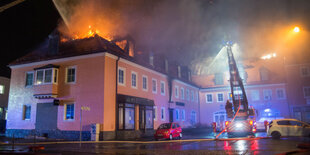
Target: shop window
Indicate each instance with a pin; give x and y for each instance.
(146, 117)
(126, 116)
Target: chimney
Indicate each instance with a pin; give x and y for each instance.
(151, 59)
(53, 43)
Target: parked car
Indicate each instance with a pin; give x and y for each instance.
(260, 124)
(288, 127)
(168, 131)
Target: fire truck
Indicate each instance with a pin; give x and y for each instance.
(241, 117)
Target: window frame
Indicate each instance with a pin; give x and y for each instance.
(301, 71)
(35, 78)
(154, 81)
(162, 88)
(182, 93)
(304, 92)
(188, 98)
(33, 82)
(24, 112)
(192, 96)
(217, 97)
(124, 76)
(136, 80)
(176, 91)
(146, 82)
(162, 113)
(207, 98)
(264, 94)
(65, 111)
(183, 115)
(254, 92)
(283, 91)
(177, 114)
(75, 74)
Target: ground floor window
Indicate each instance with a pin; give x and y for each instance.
(193, 117)
(146, 120)
(69, 112)
(126, 116)
(27, 112)
(220, 117)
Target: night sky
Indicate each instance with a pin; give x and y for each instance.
(23, 27)
(186, 29)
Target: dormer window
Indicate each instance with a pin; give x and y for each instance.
(46, 75)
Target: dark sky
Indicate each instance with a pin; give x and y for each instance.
(23, 27)
(190, 30)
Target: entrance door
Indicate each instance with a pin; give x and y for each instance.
(46, 118)
(170, 115)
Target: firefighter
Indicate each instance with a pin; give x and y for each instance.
(266, 124)
(228, 108)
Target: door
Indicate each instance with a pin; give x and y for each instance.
(170, 115)
(46, 116)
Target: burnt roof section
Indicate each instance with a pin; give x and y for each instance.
(71, 48)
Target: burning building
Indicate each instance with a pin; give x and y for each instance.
(70, 85)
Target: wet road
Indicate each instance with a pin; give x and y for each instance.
(250, 146)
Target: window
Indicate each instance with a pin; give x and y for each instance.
(209, 98)
(177, 113)
(283, 122)
(307, 92)
(197, 96)
(255, 95)
(121, 76)
(154, 85)
(267, 94)
(176, 91)
(220, 97)
(69, 111)
(29, 79)
(146, 120)
(71, 74)
(144, 82)
(280, 93)
(183, 114)
(192, 95)
(1, 89)
(126, 116)
(187, 95)
(304, 71)
(134, 79)
(218, 79)
(43, 76)
(162, 87)
(193, 118)
(26, 112)
(163, 117)
(182, 93)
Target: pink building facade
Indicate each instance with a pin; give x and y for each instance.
(57, 93)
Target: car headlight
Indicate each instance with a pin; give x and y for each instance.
(239, 125)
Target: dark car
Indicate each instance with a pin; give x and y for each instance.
(168, 131)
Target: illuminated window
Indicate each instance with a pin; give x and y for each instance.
(162, 87)
(177, 113)
(71, 75)
(39, 77)
(183, 114)
(280, 93)
(182, 93)
(267, 94)
(220, 97)
(29, 79)
(307, 92)
(187, 95)
(69, 112)
(305, 71)
(255, 95)
(26, 112)
(144, 82)
(176, 91)
(154, 86)
(121, 76)
(163, 116)
(209, 98)
(134, 79)
(1, 89)
(43, 76)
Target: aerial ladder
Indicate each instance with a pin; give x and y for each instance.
(242, 117)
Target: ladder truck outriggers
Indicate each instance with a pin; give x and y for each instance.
(242, 118)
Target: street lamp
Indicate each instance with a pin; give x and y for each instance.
(296, 29)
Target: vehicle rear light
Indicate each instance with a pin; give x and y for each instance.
(251, 122)
(254, 129)
(226, 123)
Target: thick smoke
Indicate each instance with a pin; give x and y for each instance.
(188, 31)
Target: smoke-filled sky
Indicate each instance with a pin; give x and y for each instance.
(188, 31)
